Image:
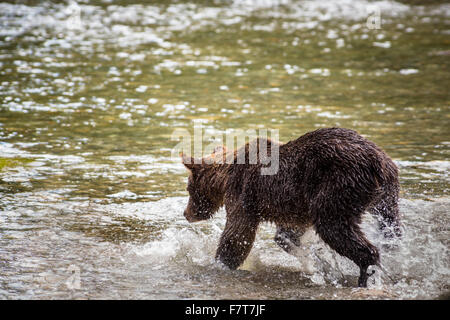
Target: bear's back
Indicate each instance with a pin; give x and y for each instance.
(339, 158)
(335, 147)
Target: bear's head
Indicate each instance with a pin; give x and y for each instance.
(205, 186)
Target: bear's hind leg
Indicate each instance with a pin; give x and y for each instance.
(386, 211)
(236, 241)
(343, 235)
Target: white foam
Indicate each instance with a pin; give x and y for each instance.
(408, 71)
(168, 209)
(115, 24)
(185, 244)
(436, 165)
(7, 150)
(416, 255)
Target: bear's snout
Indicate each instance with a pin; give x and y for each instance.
(189, 216)
(186, 215)
(193, 217)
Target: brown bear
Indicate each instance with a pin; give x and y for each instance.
(326, 179)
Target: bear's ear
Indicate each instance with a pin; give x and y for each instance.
(189, 162)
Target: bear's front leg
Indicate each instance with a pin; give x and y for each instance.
(236, 240)
(289, 238)
(363, 276)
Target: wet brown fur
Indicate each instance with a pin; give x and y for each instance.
(326, 179)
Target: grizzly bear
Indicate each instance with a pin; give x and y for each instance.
(326, 179)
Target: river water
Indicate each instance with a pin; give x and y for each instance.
(92, 199)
